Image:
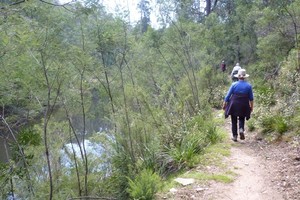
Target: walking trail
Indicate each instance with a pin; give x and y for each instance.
(253, 181)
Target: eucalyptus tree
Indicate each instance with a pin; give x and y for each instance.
(193, 10)
(44, 50)
(110, 70)
(277, 23)
(210, 6)
(188, 10)
(145, 11)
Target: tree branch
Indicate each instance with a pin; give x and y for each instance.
(53, 4)
(46, 2)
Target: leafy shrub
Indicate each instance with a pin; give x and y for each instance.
(265, 95)
(212, 90)
(274, 123)
(205, 127)
(145, 185)
(190, 146)
(5, 175)
(29, 136)
(212, 135)
(251, 125)
(296, 120)
(281, 125)
(200, 133)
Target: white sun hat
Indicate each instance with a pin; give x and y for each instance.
(241, 74)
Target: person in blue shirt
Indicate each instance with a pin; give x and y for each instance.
(238, 103)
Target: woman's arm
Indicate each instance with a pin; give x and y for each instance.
(229, 93)
(227, 97)
(251, 105)
(224, 105)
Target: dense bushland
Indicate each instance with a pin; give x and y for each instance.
(93, 106)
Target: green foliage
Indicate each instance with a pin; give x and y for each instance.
(205, 126)
(280, 96)
(264, 94)
(201, 133)
(5, 177)
(286, 85)
(275, 45)
(273, 54)
(212, 89)
(188, 148)
(251, 125)
(29, 137)
(212, 136)
(275, 123)
(145, 185)
(296, 123)
(124, 167)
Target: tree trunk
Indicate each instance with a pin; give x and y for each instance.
(208, 7)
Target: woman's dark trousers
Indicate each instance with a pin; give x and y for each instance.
(234, 127)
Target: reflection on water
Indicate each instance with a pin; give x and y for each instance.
(94, 151)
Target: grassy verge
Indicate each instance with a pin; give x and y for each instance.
(210, 167)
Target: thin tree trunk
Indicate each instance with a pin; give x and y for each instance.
(83, 118)
(296, 37)
(126, 111)
(173, 74)
(47, 115)
(10, 179)
(188, 76)
(46, 118)
(107, 88)
(125, 99)
(84, 132)
(194, 84)
(74, 153)
(145, 139)
(208, 7)
(30, 188)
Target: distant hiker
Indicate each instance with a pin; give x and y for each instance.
(223, 66)
(238, 103)
(234, 71)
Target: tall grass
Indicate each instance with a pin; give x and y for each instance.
(145, 185)
(275, 123)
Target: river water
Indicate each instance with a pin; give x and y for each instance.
(93, 149)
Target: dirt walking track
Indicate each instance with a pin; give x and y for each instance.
(254, 174)
(252, 181)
